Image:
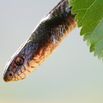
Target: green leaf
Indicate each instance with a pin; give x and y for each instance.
(89, 16)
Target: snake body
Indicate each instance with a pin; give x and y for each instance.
(46, 37)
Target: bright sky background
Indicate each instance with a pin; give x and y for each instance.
(71, 75)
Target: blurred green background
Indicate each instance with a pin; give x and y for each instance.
(71, 75)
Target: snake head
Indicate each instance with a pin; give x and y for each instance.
(13, 69)
(19, 66)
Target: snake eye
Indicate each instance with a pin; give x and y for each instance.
(19, 60)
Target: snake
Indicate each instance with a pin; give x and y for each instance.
(46, 37)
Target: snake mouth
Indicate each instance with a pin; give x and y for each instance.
(12, 78)
(6, 79)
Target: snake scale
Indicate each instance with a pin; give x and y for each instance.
(48, 34)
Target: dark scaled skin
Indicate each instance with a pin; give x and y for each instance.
(43, 41)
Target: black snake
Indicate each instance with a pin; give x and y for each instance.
(46, 37)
